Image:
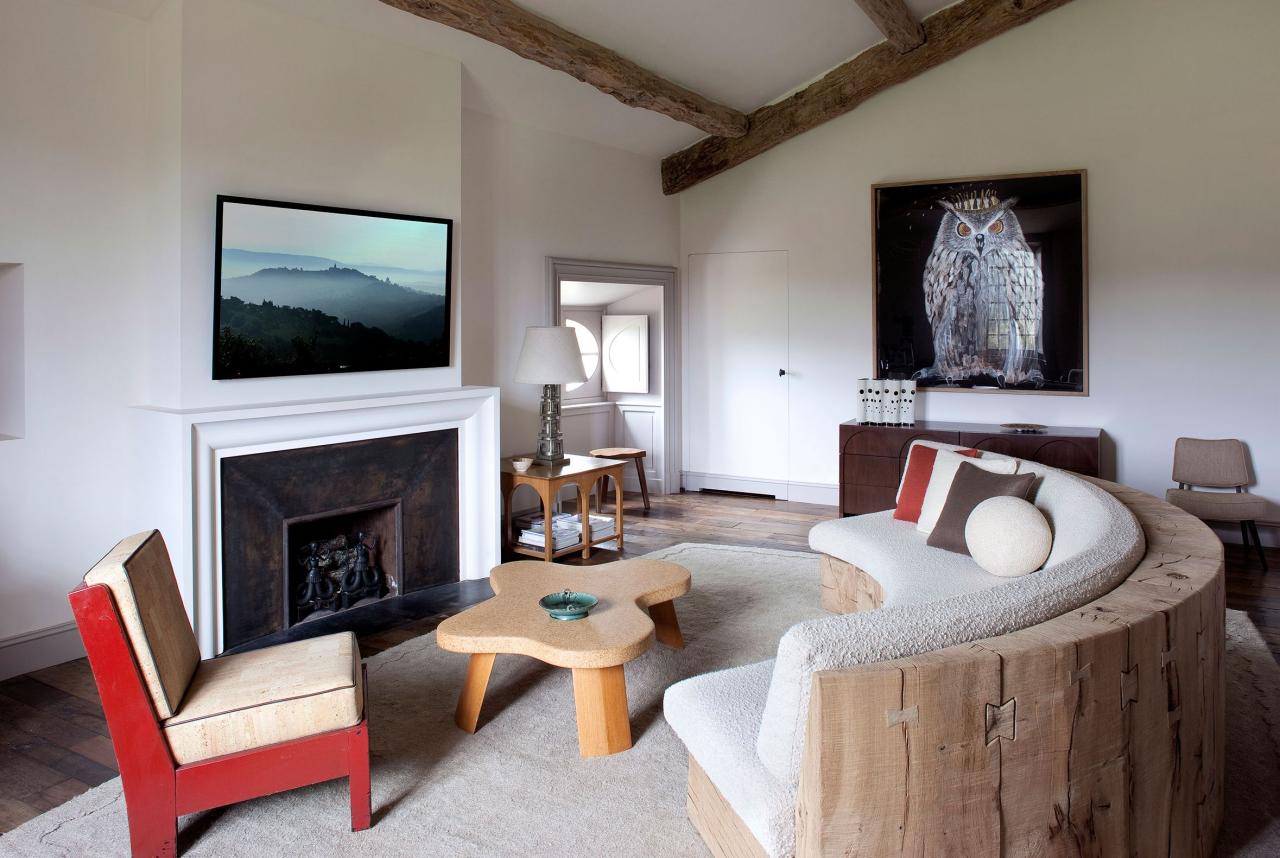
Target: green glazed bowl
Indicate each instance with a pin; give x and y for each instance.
(568, 605)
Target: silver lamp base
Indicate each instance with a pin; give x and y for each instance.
(550, 440)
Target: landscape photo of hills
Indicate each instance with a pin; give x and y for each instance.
(305, 289)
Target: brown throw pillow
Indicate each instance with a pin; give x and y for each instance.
(971, 487)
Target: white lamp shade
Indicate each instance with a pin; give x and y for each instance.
(550, 356)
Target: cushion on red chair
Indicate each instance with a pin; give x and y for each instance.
(275, 694)
(140, 577)
(915, 480)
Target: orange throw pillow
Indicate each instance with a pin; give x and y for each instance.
(915, 480)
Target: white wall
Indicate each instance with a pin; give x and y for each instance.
(529, 194)
(1171, 106)
(117, 133)
(72, 163)
(282, 107)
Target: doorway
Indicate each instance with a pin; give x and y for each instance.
(626, 319)
(738, 373)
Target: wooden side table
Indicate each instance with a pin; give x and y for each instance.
(581, 471)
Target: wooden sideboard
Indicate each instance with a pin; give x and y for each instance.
(872, 457)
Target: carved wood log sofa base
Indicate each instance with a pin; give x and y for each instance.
(945, 711)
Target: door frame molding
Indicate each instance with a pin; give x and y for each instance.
(668, 277)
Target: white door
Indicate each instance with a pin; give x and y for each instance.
(624, 352)
(735, 354)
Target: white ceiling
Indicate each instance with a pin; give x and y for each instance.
(743, 53)
(575, 293)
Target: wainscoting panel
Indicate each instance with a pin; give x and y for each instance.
(641, 426)
(587, 427)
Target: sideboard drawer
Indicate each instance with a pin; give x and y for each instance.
(891, 441)
(872, 470)
(1070, 454)
(859, 500)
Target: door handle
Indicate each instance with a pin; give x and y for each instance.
(782, 372)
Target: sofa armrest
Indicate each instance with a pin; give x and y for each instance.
(1100, 730)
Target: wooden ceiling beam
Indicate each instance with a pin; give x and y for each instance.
(896, 21)
(505, 24)
(948, 33)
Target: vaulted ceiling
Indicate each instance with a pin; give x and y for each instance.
(741, 53)
(732, 56)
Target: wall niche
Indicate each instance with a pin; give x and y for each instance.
(13, 393)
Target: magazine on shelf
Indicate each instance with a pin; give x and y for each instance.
(566, 530)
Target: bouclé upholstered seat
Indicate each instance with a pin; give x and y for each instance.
(745, 728)
(190, 734)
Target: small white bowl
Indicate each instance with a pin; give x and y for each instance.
(521, 465)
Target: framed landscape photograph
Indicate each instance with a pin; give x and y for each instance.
(981, 283)
(305, 289)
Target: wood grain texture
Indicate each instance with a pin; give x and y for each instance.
(666, 626)
(846, 589)
(720, 828)
(471, 697)
(600, 701)
(636, 455)
(507, 25)
(892, 18)
(948, 33)
(1096, 733)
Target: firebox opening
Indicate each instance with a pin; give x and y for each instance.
(341, 559)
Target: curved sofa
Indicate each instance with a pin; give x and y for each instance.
(1076, 709)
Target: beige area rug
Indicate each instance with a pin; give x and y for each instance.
(518, 787)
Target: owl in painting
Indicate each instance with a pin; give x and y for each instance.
(984, 293)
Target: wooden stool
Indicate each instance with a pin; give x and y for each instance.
(622, 453)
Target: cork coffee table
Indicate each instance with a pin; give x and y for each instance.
(635, 608)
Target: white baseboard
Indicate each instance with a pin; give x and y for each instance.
(42, 648)
(693, 481)
(632, 484)
(825, 494)
(816, 493)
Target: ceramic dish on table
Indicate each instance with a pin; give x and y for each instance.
(568, 605)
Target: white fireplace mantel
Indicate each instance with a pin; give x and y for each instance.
(202, 438)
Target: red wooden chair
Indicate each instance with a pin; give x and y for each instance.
(191, 735)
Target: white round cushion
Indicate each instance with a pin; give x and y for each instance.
(1008, 536)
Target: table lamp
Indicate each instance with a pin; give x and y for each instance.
(550, 357)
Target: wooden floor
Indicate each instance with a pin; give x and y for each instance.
(54, 743)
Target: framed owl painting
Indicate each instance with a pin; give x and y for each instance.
(981, 283)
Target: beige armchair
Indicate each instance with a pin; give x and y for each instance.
(191, 735)
(1220, 464)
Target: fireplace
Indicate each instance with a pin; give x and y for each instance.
(311, 532)
(341, 559)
